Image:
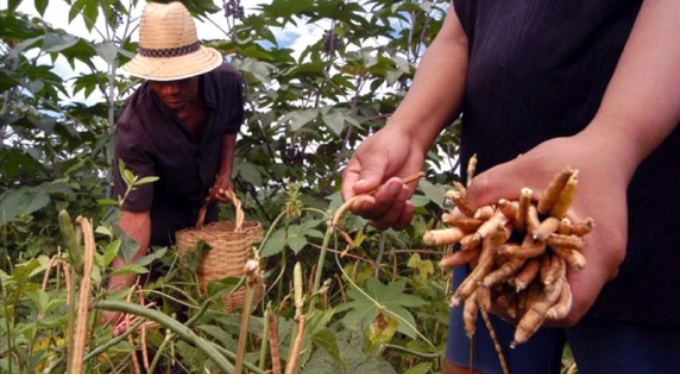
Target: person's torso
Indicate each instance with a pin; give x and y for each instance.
(186, 160)
(538, 70)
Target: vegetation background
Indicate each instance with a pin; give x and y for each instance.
(374, 302)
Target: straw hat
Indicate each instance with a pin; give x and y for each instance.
(168, 46)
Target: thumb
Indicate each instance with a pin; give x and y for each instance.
(362, 176)
(503, 181)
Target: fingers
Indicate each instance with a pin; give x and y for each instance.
(362, 176)
(391, 207)
(349, 178)
(376, 205)
(406, 216)
(219, 194)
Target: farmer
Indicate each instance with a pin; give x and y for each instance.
(589, 84)
(180, 126)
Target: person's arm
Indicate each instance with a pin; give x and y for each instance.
(642, 103)
(399, 148)
(224, 182)
(434, 98)
(641, 106)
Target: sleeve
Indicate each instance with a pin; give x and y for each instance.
(234, 88)
(133, 147)
(465, 12)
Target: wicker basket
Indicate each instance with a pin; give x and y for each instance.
(230, 243)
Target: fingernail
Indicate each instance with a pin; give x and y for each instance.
(360, 182)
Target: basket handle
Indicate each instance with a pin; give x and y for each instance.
(240, 217)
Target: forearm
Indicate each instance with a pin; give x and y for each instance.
(227, 155)
(434, 98)
(642, 103)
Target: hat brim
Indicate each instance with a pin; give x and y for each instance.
(201, 61)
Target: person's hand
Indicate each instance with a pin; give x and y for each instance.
(220, 187)
(601, 194)
(384, 157)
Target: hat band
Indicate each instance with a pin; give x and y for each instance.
(169, 52)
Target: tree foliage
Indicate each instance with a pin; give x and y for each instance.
(306, 112)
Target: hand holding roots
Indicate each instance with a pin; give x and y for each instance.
(519, 252)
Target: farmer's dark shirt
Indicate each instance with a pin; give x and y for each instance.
(153, 141)
(538, 70)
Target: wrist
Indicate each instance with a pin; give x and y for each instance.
(613, 145)
(418, 137)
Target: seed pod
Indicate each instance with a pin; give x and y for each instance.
(297, 287)
(71, 240)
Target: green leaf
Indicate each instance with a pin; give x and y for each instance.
(121, 166)
(301, 118)
(434, 192)
(26, 45)
(128, 246)
(107, 202)
(335, 121)
(107, 51)
(327, 341)
(250, 173)
(355, 361)
(40, 6)
(40, 300)
(111, 252)
(387, 299)
(274, 244)
(12, 5)
(146, 180)
(129, 269)
(421, 368)
(402, 64)
(105, 230)
(150, 258)
(76, 8)
(57, 43)
(22, 201)
(90, 14)
(297, 243)
(218, 286)
(128, 177)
